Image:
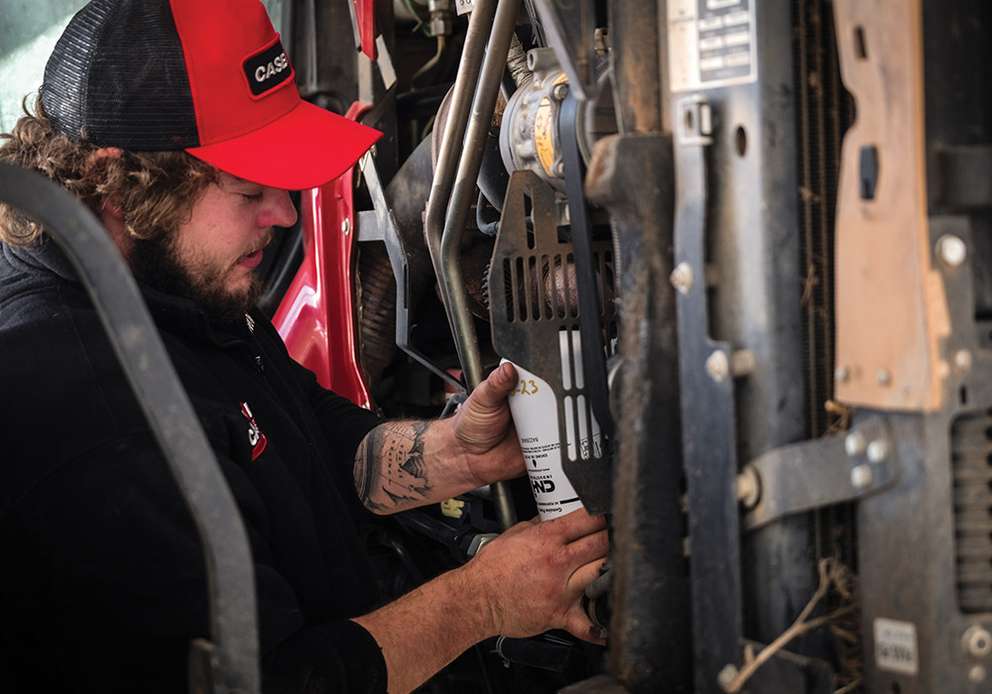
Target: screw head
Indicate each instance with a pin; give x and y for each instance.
(854, 444)
(962, 359)
(717, 366)
(878, 450)
(952, 250)
(977, 641)
(841, 374)
(861, 476)
(560, 91)
(977, 674)
(884, 377)
(346, 226)
(681, 278)
(726, 676)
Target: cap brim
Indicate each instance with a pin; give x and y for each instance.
(305, 148)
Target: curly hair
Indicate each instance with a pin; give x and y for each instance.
(155, 191)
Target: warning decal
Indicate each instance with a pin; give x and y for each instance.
(711, 43)
(895, 646)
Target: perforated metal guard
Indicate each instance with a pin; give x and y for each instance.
(535, 318)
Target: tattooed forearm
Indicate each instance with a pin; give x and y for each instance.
(391, 473)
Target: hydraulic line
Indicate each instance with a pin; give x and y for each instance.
(479, 28)
(454, 129)
(462, 195)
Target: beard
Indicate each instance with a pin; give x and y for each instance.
(159, 264)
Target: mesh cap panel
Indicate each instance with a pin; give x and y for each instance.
(117, 77)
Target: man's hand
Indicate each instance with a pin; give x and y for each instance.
(528, 580)
(533, 575)
(484, 430)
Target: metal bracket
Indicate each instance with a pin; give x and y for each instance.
(708, 421)
(385, 225)
(570, 28)
(823, 472)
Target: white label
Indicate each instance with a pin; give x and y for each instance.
(464, 6)
(711, 43)
(895, 646)
(534, 408)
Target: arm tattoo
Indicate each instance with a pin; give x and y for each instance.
(390, 473)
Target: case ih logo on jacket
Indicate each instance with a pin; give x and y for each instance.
(256, 439)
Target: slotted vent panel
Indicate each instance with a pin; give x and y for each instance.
(971, 459)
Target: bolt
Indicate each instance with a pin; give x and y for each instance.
(976, 674)
(854, 444)
(962, 359)
(717, 366)
(748, 487)
(560, 91)
(599, 41)
(841, 374)
(878, 450)
(883, 377)
(560, 169)
(861, 476)
(346, 226)
(681, 278)
(952, 250)
(726, 676)
(977, 641)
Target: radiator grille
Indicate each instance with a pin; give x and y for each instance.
(971, 462)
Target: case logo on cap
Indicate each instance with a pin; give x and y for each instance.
(268, 69)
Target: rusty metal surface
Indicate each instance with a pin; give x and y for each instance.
(650, 644)
(891, 306)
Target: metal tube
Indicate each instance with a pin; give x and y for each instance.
(479, 26)
(462, 194)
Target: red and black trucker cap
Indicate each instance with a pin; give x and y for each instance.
(206, 76)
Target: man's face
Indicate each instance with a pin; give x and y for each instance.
(210, 259)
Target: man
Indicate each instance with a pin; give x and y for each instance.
(178, 123)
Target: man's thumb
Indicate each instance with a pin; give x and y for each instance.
(491, 393)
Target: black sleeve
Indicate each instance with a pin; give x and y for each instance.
(108, 587)
(343, 423)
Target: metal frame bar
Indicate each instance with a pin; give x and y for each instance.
(232, 656)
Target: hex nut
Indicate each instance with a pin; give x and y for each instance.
(717, 366)
(681, 278)
(560, 91)
(861, 476)
(977, 641)
(952, 250)
(878, 450)
(854, 444)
